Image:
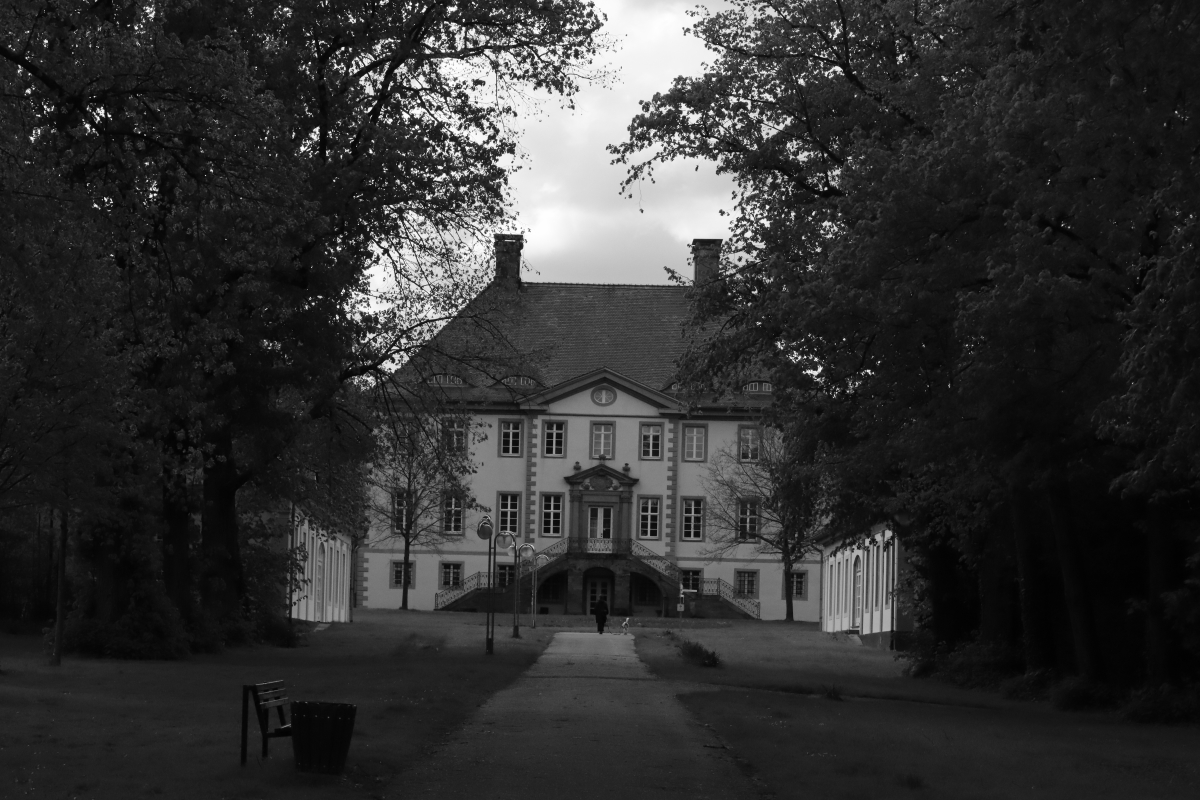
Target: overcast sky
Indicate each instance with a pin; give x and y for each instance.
(578, 228)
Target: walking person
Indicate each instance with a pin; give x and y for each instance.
(601, 612)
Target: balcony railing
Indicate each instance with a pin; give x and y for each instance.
(659, 564)
(480, 580)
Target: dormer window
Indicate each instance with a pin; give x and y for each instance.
(758, 387)
(445, 379)
(519, 381)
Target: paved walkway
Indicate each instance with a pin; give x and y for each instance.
(586, 721)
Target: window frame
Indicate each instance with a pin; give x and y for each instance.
(805, 579)
(703, 426)
(562, 515)
(501, 511)
(399, 509)
(412, 573)
(455, 428)
(520, 423)
(546, 438)
(745, 503)
(737, 575)
(501, 570)
(655, 498)
(442, 567)
(699, 575)
(756, 443)
(461, 510)
(662, 430)
(683, 504)
(592, 455)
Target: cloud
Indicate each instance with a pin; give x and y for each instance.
(579, 228)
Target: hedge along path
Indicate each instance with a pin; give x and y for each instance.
(587, 720)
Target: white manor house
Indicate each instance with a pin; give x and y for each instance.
(591, 457)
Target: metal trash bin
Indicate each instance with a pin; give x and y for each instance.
(321, 735)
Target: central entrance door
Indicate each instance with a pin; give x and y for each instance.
(600, 522)
(598, 589)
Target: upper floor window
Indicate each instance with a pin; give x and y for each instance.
(552, 514)
(507, 515)
(602, 440)
(649, 514)
(749, 444)
(693, 520)
(399, 510)
(651, 441)
(748, 520)
(695, 442)
(510, 438)
(555, 438)
(454, 436)
(758, 386)
(452, 515)
(445, 379)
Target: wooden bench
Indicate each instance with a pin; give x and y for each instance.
(265, 696)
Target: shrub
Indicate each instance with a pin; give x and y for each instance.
(1163, 704)
(831, 692)
(1079, 694)
(698, 654)
(1033, 685)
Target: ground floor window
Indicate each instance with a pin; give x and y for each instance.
(505, 574)
(799, 585)
(402, 576)
(690, 579)
(451, 575)
(746, 583)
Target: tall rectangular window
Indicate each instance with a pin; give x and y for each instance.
(454, 436)
(508, 512)
(649, 514)
(505, 573)
(694, 444)
(689, 579)
(452, 515)
(402, 576)
(555, 439)
(399, 510)
(552, 512)
(799, 585)
(451, 575)
(602, 440)
(748, 520)
(651, 441)
(749, 444)
(693, 520)
(510, 438)
(745, 583)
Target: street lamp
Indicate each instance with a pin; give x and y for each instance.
(534, 607)
(489, 618)
(517, 583)
(512, 539)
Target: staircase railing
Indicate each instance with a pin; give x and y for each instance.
(721, 588)
(480, 580)
(658, 563)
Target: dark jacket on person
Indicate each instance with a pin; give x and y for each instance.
(601, 611)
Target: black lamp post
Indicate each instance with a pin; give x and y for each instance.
(489, 619)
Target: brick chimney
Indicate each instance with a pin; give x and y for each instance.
(508, 258)
(706, 260)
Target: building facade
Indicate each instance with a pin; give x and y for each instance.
(586, 452)
(324, 591)
(860, 580)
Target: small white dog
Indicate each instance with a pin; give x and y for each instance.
(625, 627)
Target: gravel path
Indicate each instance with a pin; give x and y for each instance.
(587, 720)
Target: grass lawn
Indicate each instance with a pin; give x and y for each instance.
(927, 740)
(129, 729)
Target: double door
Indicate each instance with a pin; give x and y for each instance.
(600, 522)
(598, 589)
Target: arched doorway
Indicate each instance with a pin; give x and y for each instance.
(858, 588)
(647, 598)
(319, 589)
(552, 594)
(597, 583)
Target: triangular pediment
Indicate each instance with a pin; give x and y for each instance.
(601, 477)
(600, 378)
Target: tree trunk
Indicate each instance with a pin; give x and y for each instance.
(60, 617)
(1034, 608)
(176, 556)
(1157, 580)
(221, 585)
(1074, 587)
(404, 577)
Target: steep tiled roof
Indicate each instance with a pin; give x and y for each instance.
(554, 332)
